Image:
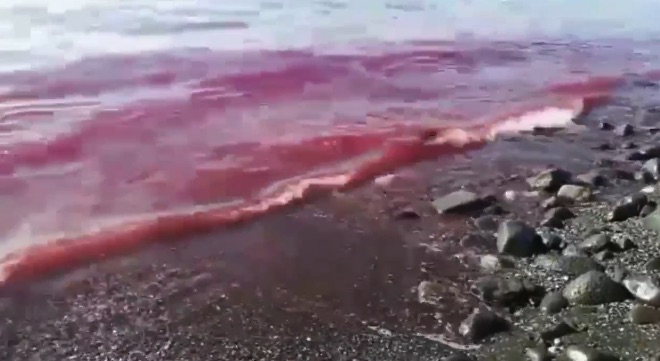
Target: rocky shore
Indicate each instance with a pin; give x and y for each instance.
(476, 259)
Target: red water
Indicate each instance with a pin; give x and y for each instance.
(105, 155)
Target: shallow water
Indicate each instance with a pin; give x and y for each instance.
(122, 124)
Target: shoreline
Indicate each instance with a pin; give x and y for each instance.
(339, 278)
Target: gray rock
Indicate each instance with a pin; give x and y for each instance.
(558, 330)
(572, 250)
(629, 145)
(553, 303)
(505, 291)
(605, 126)
(596, 243)
(653, 264)
(603, 255)
(538, 353)
(652, 221)
(575, 193)
(486, 223)
(584, 353)
(481, 324)
(594, 178)
(460, 201)
(619, 273)
(429, 292)
(550, 180)
(652, 167)
(559, 213)
(649, 208)
(477, 240)
(553, 202)
(571, 265)
(624, 130)
(492, 263)
(628, 207)
(552, 240)
(645, 153)
(594, 288)
(624, 243)
(642, 314)
(518, 239)
(644, 288)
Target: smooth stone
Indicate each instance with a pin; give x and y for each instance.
(642, 314)
(644, 288)
(429, 292)
(596, 243)
(460, 201)
(558, 330)
(481, 324)
(518, 239)
(574, 265)
(492, 263)
(553, 303)
(572, 250)
(594, 288)
(653, 264)
(486, 223)
(584, 353)
(593, 178)
(550, 180)
(574, 193)
(624, 130)
(652, 167)
(652, 221)
(538, 353)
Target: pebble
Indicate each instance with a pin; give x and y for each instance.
(461, 201)
(494, 263)
(550, 180)
(624, 130)
(538, 353)
(652, 167)
(486, 223)
(584, 353)
(575, 193)
(645, 288)
(552, 240)
(429, 292)
(596, 243)
(573, 265)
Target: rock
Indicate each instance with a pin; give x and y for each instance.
(518, 239)
(461, 201)
(553, 303)
(605, 126)
(628, 145)
(538, 353)
(486, 223)
(559, 213)
(494, 210)
(652, 221)
(476, 240)
(642, 314)
(481, 324)
(628, 207)
(429, 292)
(552, 240)
(593, 178)
(645, 153)
(644, 177)
(505, 291)
(644, 288)
(572, 250)
(494, 263)
(653, 264)
(584, 353)
(652, 167)
(596, 243)
(619, 274)
(603, 255)
(624, 130)
(552, 223)
(624, 244)
(550, 180)
(573, 265)
(649, 208)
(407, 213)
(553, 202)
(574, 193)
(559, 330)
(594, 288)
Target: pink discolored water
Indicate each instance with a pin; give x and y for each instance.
(106, 154)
